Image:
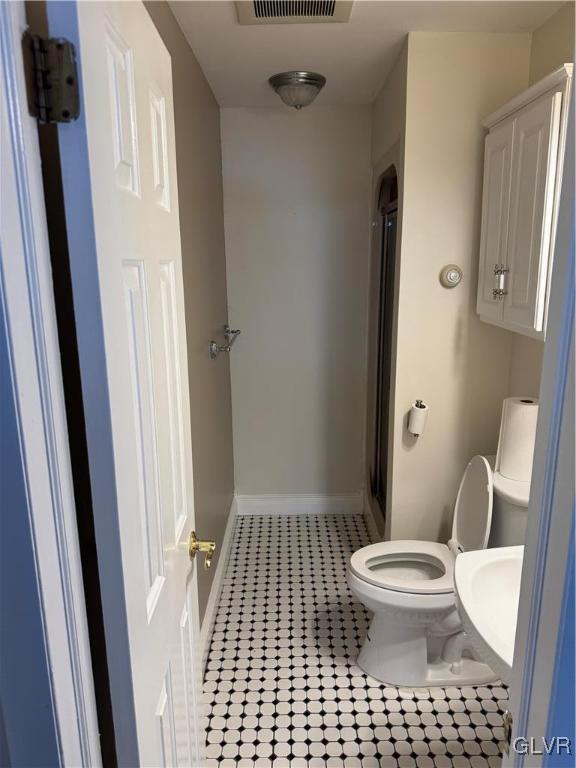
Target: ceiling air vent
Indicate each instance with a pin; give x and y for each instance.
(292, 11)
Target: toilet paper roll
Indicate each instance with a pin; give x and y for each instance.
(417, 417)
(517, 437)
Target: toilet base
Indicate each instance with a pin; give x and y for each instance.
(398, 655)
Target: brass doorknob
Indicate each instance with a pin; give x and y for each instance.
(196, 545)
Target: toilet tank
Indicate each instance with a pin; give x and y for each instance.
(509, 512)
(509, 509)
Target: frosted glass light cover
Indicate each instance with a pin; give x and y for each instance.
(297, 89)
(298, 96)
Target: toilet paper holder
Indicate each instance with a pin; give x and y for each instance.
(417, 417)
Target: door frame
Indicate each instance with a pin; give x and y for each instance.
(546, 572)
(33, 342)
(35, 369)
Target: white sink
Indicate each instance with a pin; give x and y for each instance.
(488, 590)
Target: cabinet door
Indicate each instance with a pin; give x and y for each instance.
(536, 136)
(495, 214)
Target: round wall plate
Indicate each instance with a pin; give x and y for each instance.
(451, 276)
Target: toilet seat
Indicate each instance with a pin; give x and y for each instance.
(417, 567)
(426, 567)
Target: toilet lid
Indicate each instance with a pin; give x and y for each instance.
(473, 509)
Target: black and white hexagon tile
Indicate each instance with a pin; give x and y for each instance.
(281, 681)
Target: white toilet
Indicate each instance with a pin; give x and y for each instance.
(416, 636)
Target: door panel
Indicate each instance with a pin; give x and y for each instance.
(495, 215)
(141, 380)
(166, 727)
(140, 387)
(536, 138)
(171, 395)
(122, 95)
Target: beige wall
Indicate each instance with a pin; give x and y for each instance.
(296, 200)
(197, 122)
(525, 366)
(446, 356)
(389, 111)
(552, 45)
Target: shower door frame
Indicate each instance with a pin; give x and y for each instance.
(386, 311)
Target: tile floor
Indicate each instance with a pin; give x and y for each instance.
(281, 682)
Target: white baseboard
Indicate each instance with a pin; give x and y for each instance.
(375, 534)
(301, 504)
(216, 589)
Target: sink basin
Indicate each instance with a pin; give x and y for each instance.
(487, 585)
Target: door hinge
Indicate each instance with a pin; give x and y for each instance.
(51, 78)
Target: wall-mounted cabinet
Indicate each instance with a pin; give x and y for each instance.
(522, 178)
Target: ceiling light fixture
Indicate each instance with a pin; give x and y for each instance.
(297, 89)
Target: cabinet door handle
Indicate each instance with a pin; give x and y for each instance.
(500, 272)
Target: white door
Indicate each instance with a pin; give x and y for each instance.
(495, 216)
(119, 171)
(536, 135)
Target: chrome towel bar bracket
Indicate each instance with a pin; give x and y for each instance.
(230, 334)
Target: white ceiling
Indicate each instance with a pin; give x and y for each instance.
(355, 56)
